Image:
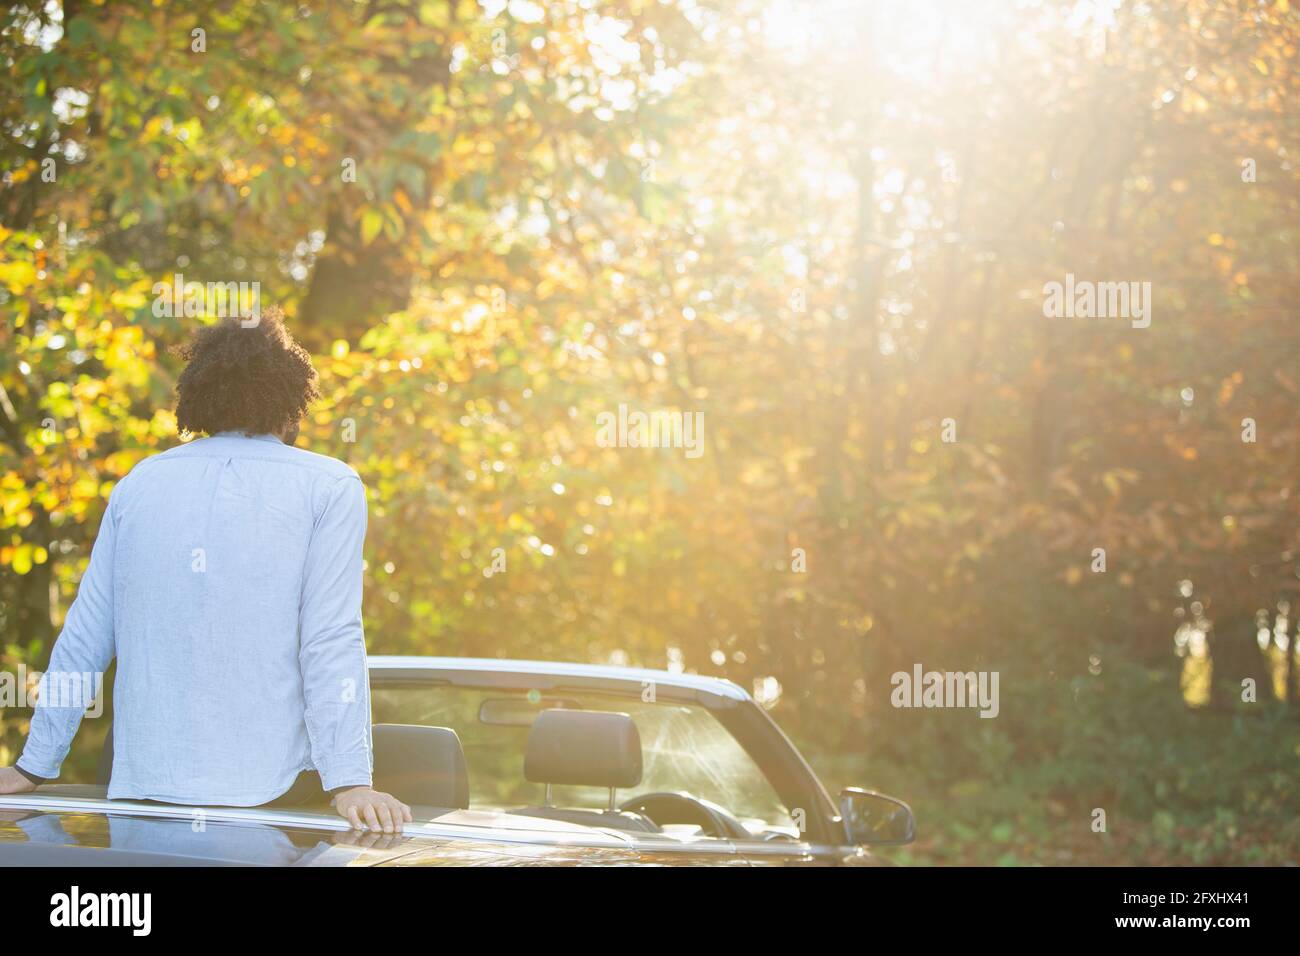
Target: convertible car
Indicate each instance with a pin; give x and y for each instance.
(510, 763)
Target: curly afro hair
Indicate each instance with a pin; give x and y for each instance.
(257, 380)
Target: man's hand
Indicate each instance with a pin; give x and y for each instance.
(11, 781)
(370, 809)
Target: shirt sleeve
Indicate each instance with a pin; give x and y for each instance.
(81, 655)
(332, 646)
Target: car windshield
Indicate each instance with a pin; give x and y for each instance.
(684, 748)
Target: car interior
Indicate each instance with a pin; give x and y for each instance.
(426, 767)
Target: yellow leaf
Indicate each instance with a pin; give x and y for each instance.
(371, 222)
(17, 275)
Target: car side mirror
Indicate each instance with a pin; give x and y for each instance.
(873, 819)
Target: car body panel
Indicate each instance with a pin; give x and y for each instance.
(170, 835)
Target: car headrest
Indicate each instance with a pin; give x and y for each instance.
(586, 748)
(421, 765)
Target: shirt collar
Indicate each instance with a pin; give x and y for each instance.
(239, 434)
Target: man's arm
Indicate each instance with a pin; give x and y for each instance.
(81, 654)
(332, 660)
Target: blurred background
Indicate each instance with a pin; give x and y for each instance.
(826, 226)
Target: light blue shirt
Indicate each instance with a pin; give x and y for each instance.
(226, 579)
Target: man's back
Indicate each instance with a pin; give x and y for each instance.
(226, 579)
(216, 552)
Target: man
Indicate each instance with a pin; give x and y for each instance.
(226, 579)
